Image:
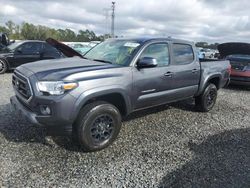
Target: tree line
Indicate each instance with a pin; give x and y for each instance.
(28, 31)
(206, 45)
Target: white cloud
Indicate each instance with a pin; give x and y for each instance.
(8, 10)
(207, 20)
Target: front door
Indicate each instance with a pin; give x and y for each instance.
(27, 52)
(151, 84)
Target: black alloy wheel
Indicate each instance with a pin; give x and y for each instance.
(102, 128)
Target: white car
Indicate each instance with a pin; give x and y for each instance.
(209, 53)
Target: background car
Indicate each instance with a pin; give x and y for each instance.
(239, 56)
(201, 53)
(22, 52)
(81, 48)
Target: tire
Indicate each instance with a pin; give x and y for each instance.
(97, 126)
(3, 66)
(206, 101)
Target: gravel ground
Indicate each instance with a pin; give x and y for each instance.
(168, 146)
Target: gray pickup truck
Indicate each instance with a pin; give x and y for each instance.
(92, 93)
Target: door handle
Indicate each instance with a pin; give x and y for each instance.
(194, 71)
(168, 74)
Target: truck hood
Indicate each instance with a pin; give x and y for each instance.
(66, 50)
(58, 69)
(234, 48)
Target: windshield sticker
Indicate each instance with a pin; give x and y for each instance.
(131, 44)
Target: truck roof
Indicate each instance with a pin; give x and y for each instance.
(148, 39)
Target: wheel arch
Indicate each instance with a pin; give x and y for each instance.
(116, 97)
(214, 79)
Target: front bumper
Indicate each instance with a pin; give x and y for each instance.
(60, 116)
(240, 80)
(21, 109)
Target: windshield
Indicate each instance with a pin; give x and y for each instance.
(113, 51)
(13, 46)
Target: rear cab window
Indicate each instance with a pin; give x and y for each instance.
(182, 54)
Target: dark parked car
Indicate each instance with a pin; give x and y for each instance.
(239, 56)
(19, 53)
(115, 78)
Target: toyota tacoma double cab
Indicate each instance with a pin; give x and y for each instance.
(92, 93)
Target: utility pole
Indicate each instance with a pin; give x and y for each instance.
(113, 20)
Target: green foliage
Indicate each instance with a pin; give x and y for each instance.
(206, 45)
(28, 31)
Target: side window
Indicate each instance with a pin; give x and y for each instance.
(183, 54)
(30, 48)
(159, 51)
(50, 51)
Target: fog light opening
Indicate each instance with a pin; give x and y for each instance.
(45, 110)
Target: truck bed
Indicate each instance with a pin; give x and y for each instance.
(211, 68)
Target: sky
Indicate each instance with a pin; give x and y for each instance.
(196, 20)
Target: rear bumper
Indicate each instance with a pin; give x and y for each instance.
(240, 80)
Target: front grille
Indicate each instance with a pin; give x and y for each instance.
(21, 85)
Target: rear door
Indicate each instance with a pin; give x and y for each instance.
(27, 52)
(186, 70)
(151, 84)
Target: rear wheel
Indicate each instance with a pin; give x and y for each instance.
(97, 126)
(3, 66)
(206, 101)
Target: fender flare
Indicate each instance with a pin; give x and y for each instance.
(99, 92)
(206, 80)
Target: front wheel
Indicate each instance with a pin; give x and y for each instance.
(97, 126)
(206, 101)
(3, 66)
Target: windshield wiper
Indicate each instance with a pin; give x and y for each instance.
(103, 61)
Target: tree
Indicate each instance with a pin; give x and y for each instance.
(28, 31)
(10, 27)
(3, 29)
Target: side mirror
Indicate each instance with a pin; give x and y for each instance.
(147, 62)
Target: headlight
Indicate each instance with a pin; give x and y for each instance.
(55, 88)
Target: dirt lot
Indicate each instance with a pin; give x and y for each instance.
(168, 146)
